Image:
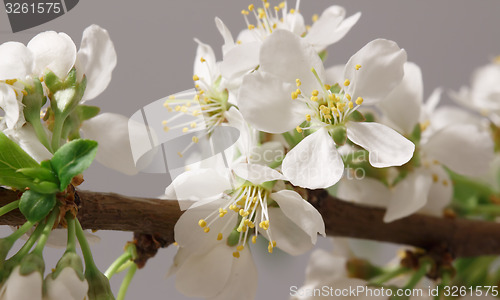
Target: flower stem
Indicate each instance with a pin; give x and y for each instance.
(418, 275)
(9, 207)
(126, 282)
(381, 279)
(57, 131)
(29, 243)
(84, 245)
(41, 133)
(46, 232)
(112, 270)
(18, 233)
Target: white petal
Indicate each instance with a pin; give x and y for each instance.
(66, 286)
(248, 136)
(485, 88)
(111, 131)
(240, 60)
(207, 70)
(27, 139)
(226, 35)
(10, 105)
(197, 185)
(267, 153)
(16, 286)
(97, 57)
(301, 212)
(190, 235)
(330, 27)
(403, 104)
(242, 283)
(294, 23)
(16, 61)
(335, 74)
(325, 266)
(265, 102)
(257, 174)
(410, 195)
(440, 193)
(387, 147)
(53, 51)
(445, 116)
(289, 236)
(368, 191)
(464, 149)
(206, 274)
(314, 163)
(289, 57)
(381, 70)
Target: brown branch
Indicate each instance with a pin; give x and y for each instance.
(157, 218)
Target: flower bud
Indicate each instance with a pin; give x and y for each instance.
(67, 282)
(99, 288)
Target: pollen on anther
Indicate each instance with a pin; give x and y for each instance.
(435, 177)
(166, 128)
(254, 239)
(244, 12)
(315, 93)
(196, 78)
(348, 97)
(236, 254)
(251, 26)
(298, 82)
(202, 59)
(185, 129)
(357, 67)
(219, 236)
(202, 223)
(299, 130)
(347, 82)
(206, 229)
(315, 17)
(308, 117)
(180, 154)
(240, 248)
(359, 101)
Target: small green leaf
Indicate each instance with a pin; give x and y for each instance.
(86, 112)
(339, 134)
(13, 158)
(45, 187)
(72, 159)
(40, 173)
(356, 116)
(36, 206)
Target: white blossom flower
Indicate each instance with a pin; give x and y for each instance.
(288, 66)
(243, 56)
(484, 93)
(427, 187)
(22, 287)
(66, 286)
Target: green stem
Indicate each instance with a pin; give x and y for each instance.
(381, 279)
(19, 233)
(126, 282)
(482, 188)
(57, 131)
(29, 243)
(41, 133)
(84, 245)
(415, 279)
(490, 209)
(9, 207)
(46, 232)
(112, 270)
(71, 245)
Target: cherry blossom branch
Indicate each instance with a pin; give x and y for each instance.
(153, 221)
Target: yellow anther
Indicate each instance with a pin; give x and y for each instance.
(251, 7)
(274, 243)
(202, 59)
(196, 78)
(176, 244)
(315, 93)
(238, 42)
(251, 224)
(166, 128)
(244, 228)
(315, 17)
(254, 199)
(193, 125)
(196, 113)
(171, 97)
(195, 139)
(184, 109)
(197, 97)
(202, 223)
(270, 249)
(331, 97)
(299, 130)
(423, 126)
(435, 177)
(262, 14)
(197, 86)
(219, 236)
(298, 82)
(435, 162)
(254, 239)
(445, 182)
(206, 229)
(327, 86)
(276, 8)
(294, 95)
(282, 5)
(340, 106)
(180, 154)
(185, 129)
(351, 105)
(298, 91)
(359, 101)
(178, 108)
(251, 26)
(242, 212)
(244, 12)
(348, 97)
(24, 93)
(329, 117)
(10, 81)
(267, 5)
(164, 122)
(357, 67)
(314, 98)
(236, 254)
(308, 117)
(347, 82)
(240, 248)
(292, 11)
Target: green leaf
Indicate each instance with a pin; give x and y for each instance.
(72, 159)
(13, 158)
(39, 173)
(36, 206)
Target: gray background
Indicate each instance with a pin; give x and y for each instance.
(154, 42)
